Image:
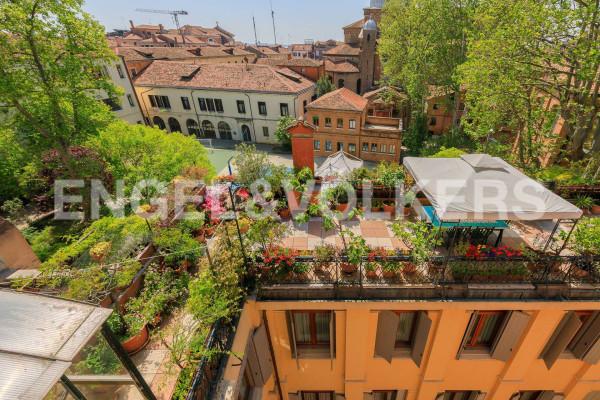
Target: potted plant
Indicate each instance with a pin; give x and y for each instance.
(595, 208)
(278, 260)
(283, 209)
(585, 203)
(389, 206)
(337, 196)
(372, 265)
(244, 223)
(324, 255)
(408, 199)
(301, 270)
(377, 205)
(355, 249)
(420, 239)
(389, 268)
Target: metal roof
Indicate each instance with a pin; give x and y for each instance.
(39, 338)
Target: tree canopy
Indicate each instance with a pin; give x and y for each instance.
(524, 64)
(137, 152)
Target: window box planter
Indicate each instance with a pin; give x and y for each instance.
(596, 209)
(137, 342)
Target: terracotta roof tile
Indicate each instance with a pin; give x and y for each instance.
(341, 67)
(356, 24)
(302, 47)
(341, 99)
(343, 49)
(247, 77)
(154, 53)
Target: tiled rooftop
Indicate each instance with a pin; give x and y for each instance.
(343, 49)
(248, 77)
(341, 99)
(340, 67)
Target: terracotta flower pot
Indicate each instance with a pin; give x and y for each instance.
(244, 227)
(342, 207)
(137, 342)
(389, 208)
(596, 210)
(406, 211)
(409, 268)
(285, 213)
(376, 209)
(371, 274)
(389, 274)
(348, 268)
(105, 302)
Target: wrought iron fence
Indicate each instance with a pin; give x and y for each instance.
(211, 365)
(437, 270)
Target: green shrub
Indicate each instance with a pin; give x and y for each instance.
(451, 152)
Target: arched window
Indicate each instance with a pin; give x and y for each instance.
(340, 83)
(158, 122)
(224, 131)
(209, 129)
(192, 127)
(174, 125)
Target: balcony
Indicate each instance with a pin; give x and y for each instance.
(440, 278)
(383, 124)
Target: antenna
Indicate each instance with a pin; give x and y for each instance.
(255, 37)
(273, 18)
(174, 14)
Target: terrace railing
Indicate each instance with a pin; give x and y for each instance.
(211, 366)
(438, 270)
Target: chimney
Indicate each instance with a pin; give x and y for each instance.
(301, 135)
(118, 41)
(161, 28)
(131, 24)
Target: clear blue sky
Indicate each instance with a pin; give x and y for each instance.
(295, 20)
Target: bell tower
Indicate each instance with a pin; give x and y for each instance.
(368, 50)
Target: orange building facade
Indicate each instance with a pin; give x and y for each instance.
(415, 349)
(440, 113)
(343, 124)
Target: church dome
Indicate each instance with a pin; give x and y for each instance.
(370, 25)
(377, 3)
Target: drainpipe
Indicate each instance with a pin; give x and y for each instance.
(196, 112)
(251, 116)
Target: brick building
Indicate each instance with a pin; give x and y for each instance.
(342, 123)
(440, 110)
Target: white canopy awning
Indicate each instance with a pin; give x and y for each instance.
(338, 164)
(479, 187)
(39, 338)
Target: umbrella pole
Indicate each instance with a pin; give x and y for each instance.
(568, 237)
(551, 235)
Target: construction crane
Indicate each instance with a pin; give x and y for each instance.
(174, 14)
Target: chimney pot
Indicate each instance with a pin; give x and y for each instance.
(131, 24)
